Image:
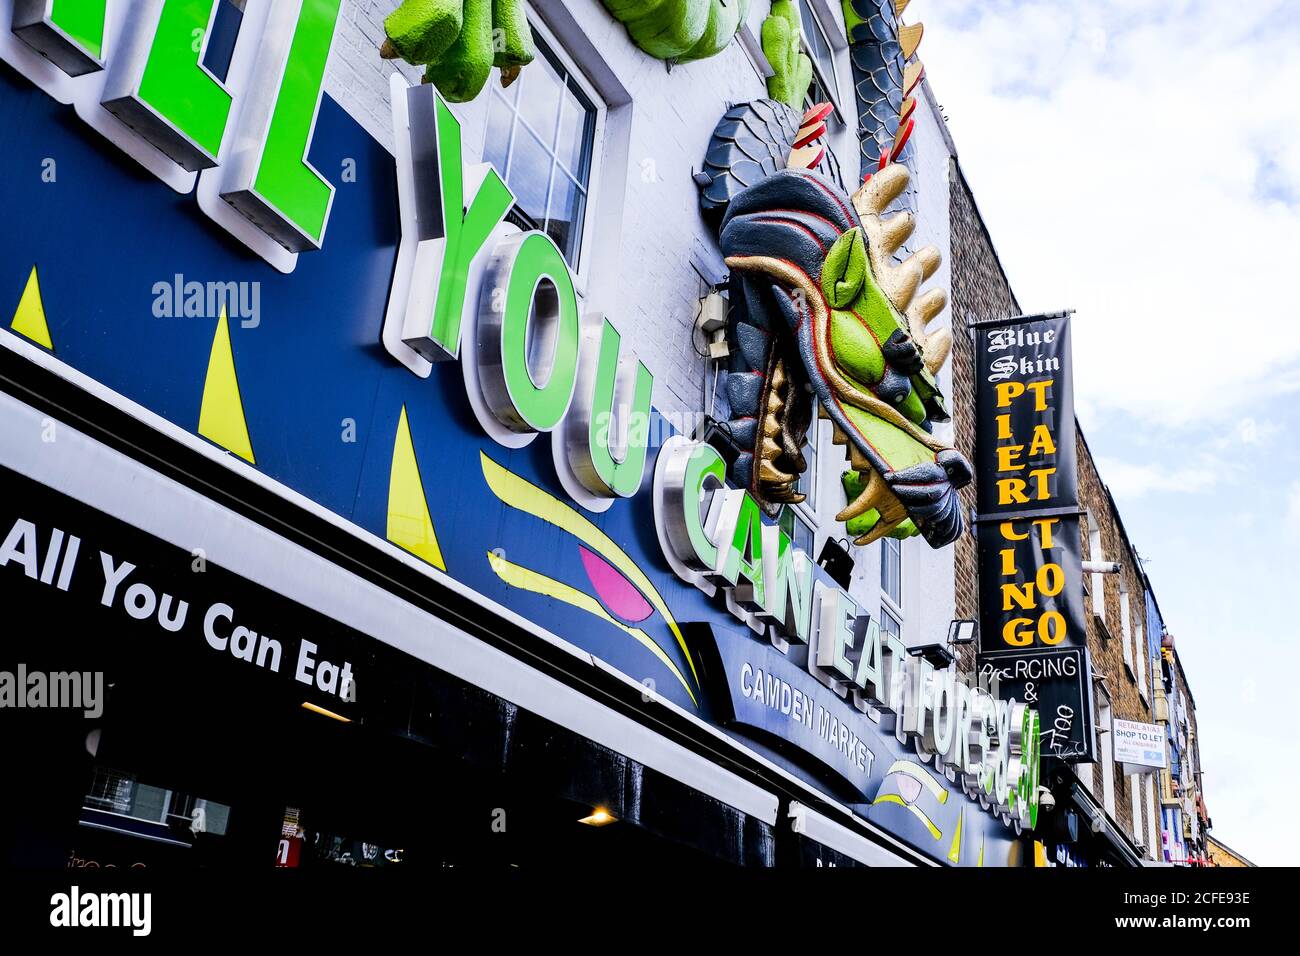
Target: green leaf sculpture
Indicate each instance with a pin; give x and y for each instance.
(680, 30)
(792, 70)
(459, 41)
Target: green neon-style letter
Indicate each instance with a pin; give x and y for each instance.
(466, 229)
(539, 292)
(789, 598)
(703, 466)
(622, 478)
(284, 179)
(174, 84)
(82, 21)
(743, 557)
(69, 33)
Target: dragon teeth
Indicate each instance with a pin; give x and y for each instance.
(937, 347)
(895, 230)
(770, 448)
(893, 511)
(882, 189)
(928, 258)
(778, 376)
(872, 496)
(925, 307)
(901, 283)
(878, 531)
(769, 474)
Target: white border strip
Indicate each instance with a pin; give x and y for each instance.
(242, 469)
(808, 822)
(109, 481)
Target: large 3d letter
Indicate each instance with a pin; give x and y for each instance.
(448, 215)
(69, 33)
(687, 476)
(158, 86)
(528, 334)
(269, 179)
(605, 435)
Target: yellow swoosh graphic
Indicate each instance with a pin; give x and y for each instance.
(539, 583)
(913, 808)
(916, 773)
(519, 493)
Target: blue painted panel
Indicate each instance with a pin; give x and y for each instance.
(105, 236)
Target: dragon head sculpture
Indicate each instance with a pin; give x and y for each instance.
(823, 317)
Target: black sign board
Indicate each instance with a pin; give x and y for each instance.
(1030, 583)
(1024, 396)
(1058, 685)
(1030, 554)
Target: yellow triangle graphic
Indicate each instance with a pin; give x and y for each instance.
(29, 320)
(954, 853)
(409, 523)
(221, 417)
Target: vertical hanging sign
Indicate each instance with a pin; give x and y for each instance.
(1030, 559)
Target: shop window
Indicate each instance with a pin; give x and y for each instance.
(308, 847)
(541, 137)
(126, 823)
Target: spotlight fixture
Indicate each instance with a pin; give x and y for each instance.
(961, 632)
(600, 817)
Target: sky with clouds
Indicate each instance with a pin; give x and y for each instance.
(1140, 162)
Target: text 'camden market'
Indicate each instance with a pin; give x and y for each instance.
(614, 442)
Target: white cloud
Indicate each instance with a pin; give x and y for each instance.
(1144, 168)
(1293, 506)
(1129, 480)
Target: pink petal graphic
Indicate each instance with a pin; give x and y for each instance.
(616, 592)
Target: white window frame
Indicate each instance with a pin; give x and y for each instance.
(807, 509)
(1141, 655)
(1096, 553)
(1125, 629)
(1105, 718)
(1156, 843)
(582, 274)
(1135, 804)
(835, 89)
(895, 608)
(887, 607)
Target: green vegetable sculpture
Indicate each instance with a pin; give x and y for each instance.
(680, 30)
(791, 66)
(459, 41)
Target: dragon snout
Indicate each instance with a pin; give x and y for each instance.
(929, 494)
(955, 466)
